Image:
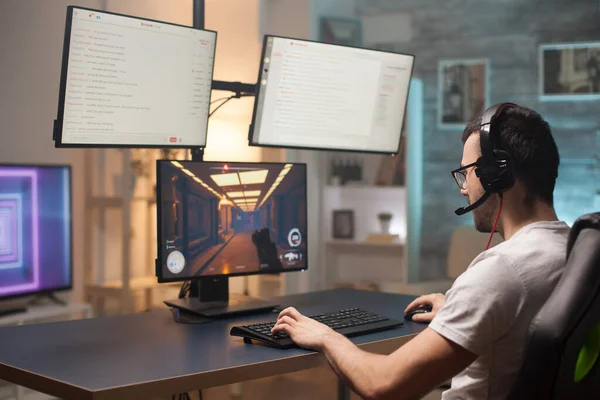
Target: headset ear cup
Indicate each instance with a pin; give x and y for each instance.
(487, 176)
(505, 176)
(498, 176)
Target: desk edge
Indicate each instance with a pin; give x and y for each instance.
(205, 380)
(40, 383)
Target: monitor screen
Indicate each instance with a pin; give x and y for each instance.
(221, 218)
(324, 96)
(35, 229)
(132, 82)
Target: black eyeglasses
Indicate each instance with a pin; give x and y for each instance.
(460, 174)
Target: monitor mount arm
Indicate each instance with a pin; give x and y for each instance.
(240, 90)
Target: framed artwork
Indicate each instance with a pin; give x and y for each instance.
(463, 91)
(569, 71)
(347, 32)
(343, 224)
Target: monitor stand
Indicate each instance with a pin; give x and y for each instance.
(209, 297)
(10, 311)
(35, 301)
(50, 296)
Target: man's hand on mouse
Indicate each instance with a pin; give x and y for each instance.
(435, 300)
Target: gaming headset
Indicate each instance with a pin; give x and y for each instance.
(494, 168)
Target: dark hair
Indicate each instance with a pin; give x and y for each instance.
(528, 139)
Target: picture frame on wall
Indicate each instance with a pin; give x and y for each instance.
(343, 224)
(342, 31)
(463, 91)
(569, 71)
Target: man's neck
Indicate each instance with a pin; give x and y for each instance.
(514, 218)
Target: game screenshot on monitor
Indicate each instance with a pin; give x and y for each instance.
(35, 229)
(230, 218)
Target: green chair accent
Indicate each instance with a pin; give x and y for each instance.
(588, 355)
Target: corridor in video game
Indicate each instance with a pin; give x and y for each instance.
(234, 219)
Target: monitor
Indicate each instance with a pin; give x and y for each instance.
(133, 82)
(222, 219)
(330, 97)
(35, 229)
(230, 218)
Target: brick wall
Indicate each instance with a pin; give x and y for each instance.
(508, 33)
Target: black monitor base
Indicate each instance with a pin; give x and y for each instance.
(236, 305)
(209, 297)
(50, 296)
(11, 311)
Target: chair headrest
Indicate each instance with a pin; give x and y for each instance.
(588, 221)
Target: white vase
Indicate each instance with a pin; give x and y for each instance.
(385, 226)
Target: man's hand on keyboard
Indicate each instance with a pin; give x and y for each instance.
(304, 331)
(435, 300)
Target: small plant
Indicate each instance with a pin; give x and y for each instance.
(384, 216)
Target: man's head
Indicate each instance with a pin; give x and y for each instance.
(527, 138)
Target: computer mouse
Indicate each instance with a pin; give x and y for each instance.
(418, 310)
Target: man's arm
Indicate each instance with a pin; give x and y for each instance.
(409, 373)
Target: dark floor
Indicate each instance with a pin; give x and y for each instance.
(238, 252)
(239, 255)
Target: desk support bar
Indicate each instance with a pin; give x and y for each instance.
(343, 391)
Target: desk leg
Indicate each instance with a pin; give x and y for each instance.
(236, 389)
(19, 392)
(343, 391)
(149, 299)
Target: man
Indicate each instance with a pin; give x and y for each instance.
(478, 330)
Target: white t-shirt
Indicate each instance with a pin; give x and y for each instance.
(490, 306)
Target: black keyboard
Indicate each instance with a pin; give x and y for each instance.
(349, 322)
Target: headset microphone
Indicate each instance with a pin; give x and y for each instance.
(471, 207)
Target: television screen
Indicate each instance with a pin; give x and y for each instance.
(35, 229)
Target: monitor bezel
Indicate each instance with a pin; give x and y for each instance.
(58, 127)
(159, 264)
(69, 170)
(251, 135)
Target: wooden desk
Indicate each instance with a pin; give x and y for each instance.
(149, 355)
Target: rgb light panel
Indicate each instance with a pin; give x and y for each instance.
(14, 220)
(11, 231)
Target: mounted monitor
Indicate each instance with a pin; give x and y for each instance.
(330, 97)
(35, 229)
(222, 219)
(133, 82)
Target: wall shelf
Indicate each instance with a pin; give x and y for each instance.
(114, 202)
(363, 244)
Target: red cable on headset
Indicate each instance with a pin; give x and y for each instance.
(495, 223)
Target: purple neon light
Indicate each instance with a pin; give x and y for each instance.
(13, 259)
(11, 207)
(6, 248)
(27, 173)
